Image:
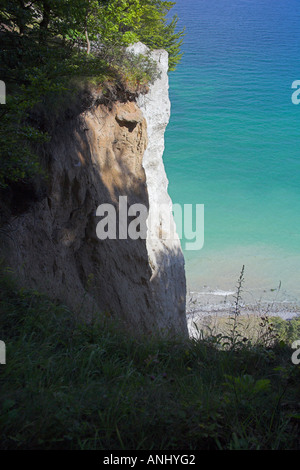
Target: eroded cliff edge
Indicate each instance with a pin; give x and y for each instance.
(106, 152)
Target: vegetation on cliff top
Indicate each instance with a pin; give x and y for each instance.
(50, 47)
(67, 385)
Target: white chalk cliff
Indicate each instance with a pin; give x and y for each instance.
(163, 244)
(94, 158)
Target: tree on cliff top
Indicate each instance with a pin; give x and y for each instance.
(108, 22)
(156, 31)
(45, 44)
(124, 22)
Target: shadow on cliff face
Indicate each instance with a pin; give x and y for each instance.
(53, 246)
(168, 285)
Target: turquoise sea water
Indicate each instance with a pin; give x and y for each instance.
(233, 142)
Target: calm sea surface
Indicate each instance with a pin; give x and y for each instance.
(233, 144)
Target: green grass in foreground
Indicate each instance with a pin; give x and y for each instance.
(72, 386)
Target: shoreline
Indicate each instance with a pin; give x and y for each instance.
(221, 303)
(201, 314)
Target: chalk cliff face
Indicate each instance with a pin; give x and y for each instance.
(163, 245)
(105, 153)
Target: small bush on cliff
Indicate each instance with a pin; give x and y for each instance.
(72, 386)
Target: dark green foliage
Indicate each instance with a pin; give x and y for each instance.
(287, 331)
(72, 386)
(157, 32)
